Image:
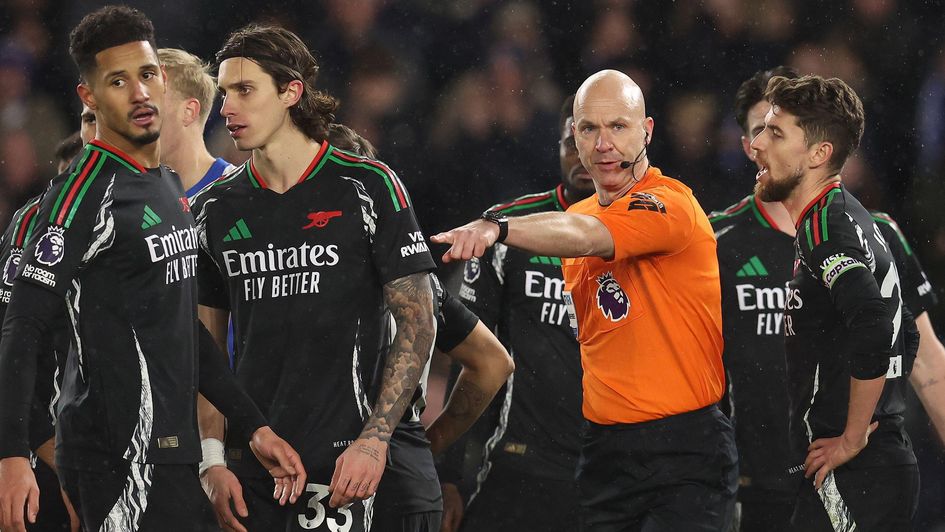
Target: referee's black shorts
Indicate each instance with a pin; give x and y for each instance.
(511, 500)
(671, 474)
(134, 497)
(875, 499)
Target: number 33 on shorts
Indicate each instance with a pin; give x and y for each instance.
(352, 517)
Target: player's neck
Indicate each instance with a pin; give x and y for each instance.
(778, 214)
(806, 191)
(283, 159)
(190, 160)
(147, 155)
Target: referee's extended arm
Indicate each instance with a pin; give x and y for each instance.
(555, 234)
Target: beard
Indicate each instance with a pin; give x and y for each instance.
(777, 191)
(145, 138)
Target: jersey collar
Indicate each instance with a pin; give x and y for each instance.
(121, 156)
(761, 214)
(826, 190)
(259, 182)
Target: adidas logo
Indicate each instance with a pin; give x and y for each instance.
(238, 232)
(752, 268)
(545, 260)
(150, 218)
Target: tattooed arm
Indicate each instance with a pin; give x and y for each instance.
(358, 470)
(928, 373)
(486, 366)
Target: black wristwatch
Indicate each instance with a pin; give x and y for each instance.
(499, 219)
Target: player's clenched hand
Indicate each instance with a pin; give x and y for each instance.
(468, 241)
(18, 493)
(222, 486)
(358, 471)
(826, 454)
(282, 462)
(452, 508)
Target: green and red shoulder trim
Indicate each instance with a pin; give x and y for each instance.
(25, 221)
(553, 197)
(77, 184)
(884, 218)
(815, 225)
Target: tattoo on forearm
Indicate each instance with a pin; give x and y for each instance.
(410, 300)
(931, 382)
(466, 401)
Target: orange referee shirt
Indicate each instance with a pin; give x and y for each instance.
(649, 320)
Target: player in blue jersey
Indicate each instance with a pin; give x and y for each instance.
(190, 94)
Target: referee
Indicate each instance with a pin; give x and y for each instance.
(657, 452)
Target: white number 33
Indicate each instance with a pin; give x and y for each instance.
(319, 493)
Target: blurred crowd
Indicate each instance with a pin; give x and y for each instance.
(461, 96)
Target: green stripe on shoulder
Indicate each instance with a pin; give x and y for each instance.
(64, 191)
(376, 170)
(887, 220)
(82, 191)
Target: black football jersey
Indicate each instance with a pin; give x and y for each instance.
(844, 265)
(116, 241)
(302, 274)
(536, 418)
(755, 265)
(917, 293)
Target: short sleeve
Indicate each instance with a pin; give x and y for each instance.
(660, 220)
(398, 245)
(454, 320)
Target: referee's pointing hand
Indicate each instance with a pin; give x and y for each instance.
(468, 241)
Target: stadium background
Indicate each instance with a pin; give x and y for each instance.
(461, 97)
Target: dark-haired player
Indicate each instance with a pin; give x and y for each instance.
(755, 246)
(532, 441)
(53, 514)
(409, 498)
(114, 241)
(306, 246)
(849, 339)
(67, 150)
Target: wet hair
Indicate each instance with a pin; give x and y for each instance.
(190, 77)
(342, 136)
(567, 111)
(282, 54)
(106, 28)
(827, 110)
(69, 147)
(752, 91)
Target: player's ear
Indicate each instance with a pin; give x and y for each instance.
(191, 111)
(85, 94)
(746, 147)
(819, 154)
(292, 93)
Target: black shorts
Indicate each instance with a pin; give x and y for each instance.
(764, 516)
(139, 497)
(671, 474)
(410, 486)
(52, 511)
(310, 512)
(876, 499)
(415, 522)
(511, 501)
